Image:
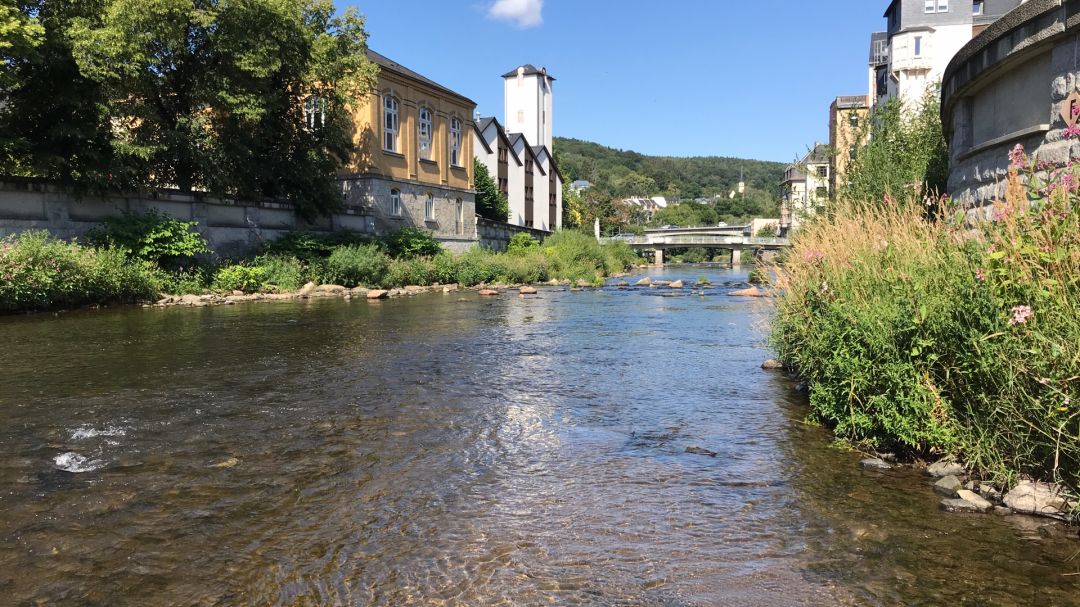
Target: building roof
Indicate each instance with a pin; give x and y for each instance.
(389, 64)
(851, 102)
(529, 70)
(482, 125)
(818, 155)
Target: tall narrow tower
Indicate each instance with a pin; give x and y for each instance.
(528, 104)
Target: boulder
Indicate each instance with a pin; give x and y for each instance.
(678, 284)
(948, 486)
(661, 283)
(331, 289)
(377, 294)
(622, 284)
(875, 463)
(582, 283)
(644, 282)
(980, 503)
(237, 292)
(359, 292)
(415, 289)
(306, 289)
(771, 363)
(527, 290)
(189, 300)
(1041, 499)
(488, 292)
(164, 301)
(960, 505)
(751, 292)
(700, 451)
(945, 467)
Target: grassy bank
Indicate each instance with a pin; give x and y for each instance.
(918, 334)
(117, 265)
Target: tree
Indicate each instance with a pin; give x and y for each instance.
(906, 157)
(573, 206)
(490, 202)
(687, 213)
(243, 98)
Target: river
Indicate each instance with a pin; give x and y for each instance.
(457, 451)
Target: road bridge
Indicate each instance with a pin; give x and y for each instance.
(732, 238)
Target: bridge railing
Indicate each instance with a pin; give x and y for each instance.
(704, 240)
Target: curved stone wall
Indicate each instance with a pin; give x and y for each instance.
(1009, 86)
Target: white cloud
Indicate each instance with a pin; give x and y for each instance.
(522, 13)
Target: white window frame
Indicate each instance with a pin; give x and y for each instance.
(424, 124)
(395, 203)
(930, 6)
(429, 207)
(977, 7)
(314, 112)
(455, 141)
(391, 122)
(943, 6)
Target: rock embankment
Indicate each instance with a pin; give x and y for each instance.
(315, 291)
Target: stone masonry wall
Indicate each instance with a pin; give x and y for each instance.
(496, 235)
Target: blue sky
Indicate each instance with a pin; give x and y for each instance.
(684, 77)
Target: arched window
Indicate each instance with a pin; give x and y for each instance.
(395, 203)
(390, 123)
(314, 112)
(455, 141)
(429, 208)
(424, 128)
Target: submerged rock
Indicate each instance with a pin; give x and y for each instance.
(1041, 499)
(966, 501)
(875, 463)
(622, 284)
(945, 467)
(948, 486)
(700, 451)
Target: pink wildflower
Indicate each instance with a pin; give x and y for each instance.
(888, 200)
(1069, 183)
(1071, 131)
(813, 256)
(980, 274)
(1075, 111)
(1017, 156)
(1020, 315)
(1044, 381)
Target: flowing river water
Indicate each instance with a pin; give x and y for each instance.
(452, 450)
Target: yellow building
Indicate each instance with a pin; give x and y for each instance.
(413, 165)
(848, 131)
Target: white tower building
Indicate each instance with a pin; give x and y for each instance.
(528, 104)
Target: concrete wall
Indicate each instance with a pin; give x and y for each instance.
(231, 227)
(1006, 87)
(495, 235)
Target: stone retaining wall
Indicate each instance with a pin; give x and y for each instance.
(1007, 87)
(496, 235)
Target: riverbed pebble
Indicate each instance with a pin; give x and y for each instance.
(875, 463)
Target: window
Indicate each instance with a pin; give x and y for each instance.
(459, 216)
(918, 46)
(314, 112)
(395, 203)
(852, 151)
(424, 128)
(942, 6)
(977, 7)
(930, 5)
(429, 208)
(823, 171)
(455, 142)
(823, 192)
(853, 120)
(528, 166)
(390, 124)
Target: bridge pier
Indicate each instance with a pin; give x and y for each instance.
(658, 257)
(736, 258)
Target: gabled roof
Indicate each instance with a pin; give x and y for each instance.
(483, 124)
(388, 64)
(551, 157)
(516, 138)
(818, 155)
(529, 70)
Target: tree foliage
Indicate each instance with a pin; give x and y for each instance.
(906, 157)
(490, 202)
(203, 95)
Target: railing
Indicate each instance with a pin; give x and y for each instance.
(713, 241)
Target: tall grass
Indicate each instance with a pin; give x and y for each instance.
(920, 334)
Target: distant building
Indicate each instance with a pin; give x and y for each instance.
(413, 166)
(924, 35)
(848, 130)
(518, 151)
(648, 206)
(805, 186)
(580, 185)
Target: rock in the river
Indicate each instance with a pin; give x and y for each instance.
(228, 463)
(678, 284)
(948, 486)
(307, 289)
(1002, 511)
(582, 283)
(527, 290)
(959, 505)
(974, 498)
(644, 282)
(488, 292)
(875, 463)
(700, 451)
(945, 467)
(622, 284)
(1042, 499)
(772, 364)
(377, 294)
(329, 290)
(751, 292)
(359, 292)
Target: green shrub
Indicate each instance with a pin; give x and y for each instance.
(39, 272)
(352, 266)
(445, 268)
(405, 272)
(476, 266)
(240, 277)
(409, 243)
(285, 273)
(192, 280)
(309, 247)
(152, 236)
(522, 243)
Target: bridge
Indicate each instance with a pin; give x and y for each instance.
(732, 238)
